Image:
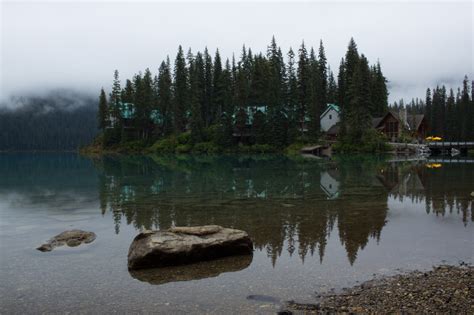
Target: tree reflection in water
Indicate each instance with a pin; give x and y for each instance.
(284, 204)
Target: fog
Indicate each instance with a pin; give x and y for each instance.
(77, 44)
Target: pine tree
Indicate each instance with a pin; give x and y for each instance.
(275, 76)
(241, 123)
(103, 113)
(379, 92)
(322, 91)
(314, 86)
(350, 67)
(128, 93)
(165, 97)
(209, 112)
(465, 119)
(180, 86)
(219, 88)
(197, 97)
(451, 125)
(303, 86)
(292, 98)
(332, 88)
(115, 101)
(429, 110)
(357, 112)
(259, 127)
(145, 105)
(341, 91)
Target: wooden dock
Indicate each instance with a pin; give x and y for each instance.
(317, 150)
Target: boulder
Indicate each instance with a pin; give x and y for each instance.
(185, 245)
(71, 238)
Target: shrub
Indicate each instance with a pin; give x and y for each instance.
(133, 146)
(372, 141)
(295, 148)
(206, 147)
(183, 148)
(167, 145)
(262, 148)
(184, 138)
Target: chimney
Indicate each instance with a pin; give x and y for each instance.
(403, 117)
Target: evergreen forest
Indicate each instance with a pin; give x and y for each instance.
(199, 102)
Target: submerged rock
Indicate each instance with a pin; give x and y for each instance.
(196, 271)
(70, 238)
(185, 245)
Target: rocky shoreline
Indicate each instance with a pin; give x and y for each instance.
(445, 289)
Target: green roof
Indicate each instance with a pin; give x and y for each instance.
(329, 107)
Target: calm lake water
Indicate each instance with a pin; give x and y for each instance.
(316, 226)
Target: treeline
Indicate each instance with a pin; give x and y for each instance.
(59, 121)
(449, 114)
(269, 98)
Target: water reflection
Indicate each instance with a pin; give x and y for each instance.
(196, 271)
(284, 204)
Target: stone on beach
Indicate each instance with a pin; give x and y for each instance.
(185, 245)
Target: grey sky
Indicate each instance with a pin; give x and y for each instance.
(78, 44)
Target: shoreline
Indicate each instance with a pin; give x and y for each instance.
(444, 289)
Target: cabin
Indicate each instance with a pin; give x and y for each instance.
(394, 124)
(127, 113)
(330, 117)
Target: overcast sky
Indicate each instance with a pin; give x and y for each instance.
(78, 44)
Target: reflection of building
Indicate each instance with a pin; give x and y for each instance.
(401, 181)
(329, 184)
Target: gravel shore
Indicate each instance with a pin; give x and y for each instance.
(445, 289)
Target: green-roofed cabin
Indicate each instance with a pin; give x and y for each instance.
(330, 117)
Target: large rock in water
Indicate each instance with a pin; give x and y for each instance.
(184, 245)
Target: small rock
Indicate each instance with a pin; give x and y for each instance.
(71, 238)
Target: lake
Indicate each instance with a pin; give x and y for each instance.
(317, 226)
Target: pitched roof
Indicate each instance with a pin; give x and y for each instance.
(376, 121)
(329, 107)
(413, 121)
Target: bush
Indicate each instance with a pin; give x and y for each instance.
(184, 138)
(256, 148)
(133, 146)
(183, 148)
(211, 133)
(295, 148)
(206, 147)
(262, 148)
(167, 145)
(372, 141)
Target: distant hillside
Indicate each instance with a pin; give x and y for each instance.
(59, 120)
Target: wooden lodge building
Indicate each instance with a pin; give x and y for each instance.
(393, 125)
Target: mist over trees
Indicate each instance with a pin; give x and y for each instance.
(267, 98)
(60, 120)
(450, 114)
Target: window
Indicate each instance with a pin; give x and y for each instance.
(392, 129)
(330, 116)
